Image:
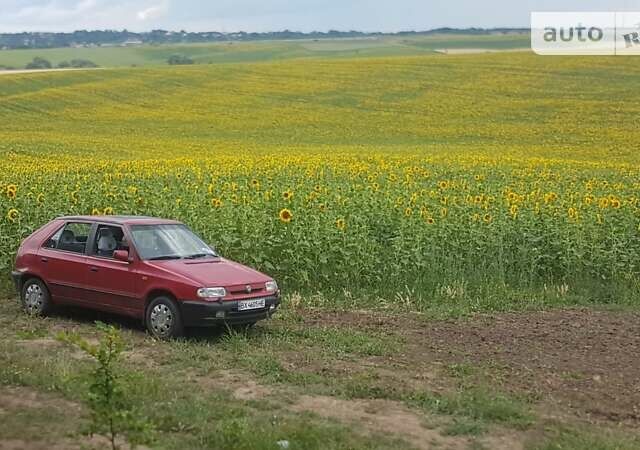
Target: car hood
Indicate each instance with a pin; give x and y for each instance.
(212, 272)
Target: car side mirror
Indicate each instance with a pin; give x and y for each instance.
(121, 255)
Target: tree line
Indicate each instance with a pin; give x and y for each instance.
(113, 37)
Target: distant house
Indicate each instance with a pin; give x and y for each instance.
(131, 42)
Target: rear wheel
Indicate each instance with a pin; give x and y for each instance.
(163, 319)
(35, 297)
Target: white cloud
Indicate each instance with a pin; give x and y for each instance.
(154, 12)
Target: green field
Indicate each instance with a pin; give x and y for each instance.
(231, 52)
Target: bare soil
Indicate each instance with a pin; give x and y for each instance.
(582, 361)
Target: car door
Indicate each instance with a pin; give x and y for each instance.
(63, 260)
(113, 283)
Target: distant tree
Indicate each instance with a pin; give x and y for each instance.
(38, 63)
(64, 64)
(82, 63)
(177, 60)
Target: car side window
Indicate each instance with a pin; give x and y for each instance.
(71, 238)
(108, 239)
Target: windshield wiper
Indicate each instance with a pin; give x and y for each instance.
(200, 255)
(164, 257)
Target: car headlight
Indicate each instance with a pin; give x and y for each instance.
(271, 286)
(212, 293)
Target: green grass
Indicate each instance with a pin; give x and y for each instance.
(477, 404)
(234, 52)
(182, 415)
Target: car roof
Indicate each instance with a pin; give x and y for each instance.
(121, 220)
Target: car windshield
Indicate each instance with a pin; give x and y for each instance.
(169, 241)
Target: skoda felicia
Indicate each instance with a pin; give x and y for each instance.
(153, 269)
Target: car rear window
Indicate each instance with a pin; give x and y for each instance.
(72, 237)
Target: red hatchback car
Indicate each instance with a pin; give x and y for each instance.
(153, 269)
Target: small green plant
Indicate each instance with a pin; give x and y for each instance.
(111, 413)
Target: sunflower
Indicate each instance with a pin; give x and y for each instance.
(341, 224)
(443, 184)
(514, 210)
(12, 215)
(12, 191)
(615, 203)
(285, 215)
(40, 199)
(408, 212)
(322, 207)
(108, 211)
(74, 197)
(216, 202)
(287, 195)
(573, 213)
(603, 203)
(255, 183)
(95, 212)
(550, 197)
(430, 220)
(487, 218)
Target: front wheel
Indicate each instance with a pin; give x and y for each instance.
(163, 319)
(35, 297)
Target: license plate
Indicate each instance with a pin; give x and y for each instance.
(246, 305)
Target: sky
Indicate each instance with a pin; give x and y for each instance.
(276, 15)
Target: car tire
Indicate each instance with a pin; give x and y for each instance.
(163, 319)
(35, 297)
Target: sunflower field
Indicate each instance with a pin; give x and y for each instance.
(427, 177)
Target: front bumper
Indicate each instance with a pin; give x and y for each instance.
(17, 280)
(206, 314)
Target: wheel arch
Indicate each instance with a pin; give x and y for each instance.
(26, 276)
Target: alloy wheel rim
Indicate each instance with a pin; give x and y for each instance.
(161, 320)
(34, 299)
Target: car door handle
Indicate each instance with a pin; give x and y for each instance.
(44, 260)
(93, 269)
